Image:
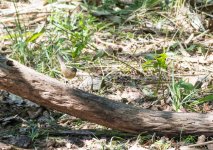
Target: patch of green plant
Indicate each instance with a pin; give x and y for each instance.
(34, 131)
(51, 1)
(65, 33)
(196, 48)
(109, 4)
(176, 3)
(189, 139)
(205, 99)
(143, 138)
(147, 3)
(184, 94)
(74, 32)
(18, 38)
(116, 143)
(156, 63)
(162, 144)
(78, 122)
(110, 7)
(181, 93)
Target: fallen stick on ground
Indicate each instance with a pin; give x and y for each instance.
(46, 91)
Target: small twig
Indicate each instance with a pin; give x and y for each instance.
(201, 144)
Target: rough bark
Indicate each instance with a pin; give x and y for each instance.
(51, 93)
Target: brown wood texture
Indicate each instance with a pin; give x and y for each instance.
(43, 90)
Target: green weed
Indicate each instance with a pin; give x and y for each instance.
(157, 63)
(65, 33)
(34, 131)
(181, 93)
(162, 144)
(78, 122)
(189, 139)
(202, 100)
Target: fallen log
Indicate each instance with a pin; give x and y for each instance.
(49, 92)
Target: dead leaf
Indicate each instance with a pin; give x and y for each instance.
(201, 139)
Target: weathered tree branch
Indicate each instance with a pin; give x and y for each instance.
(51, 93)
